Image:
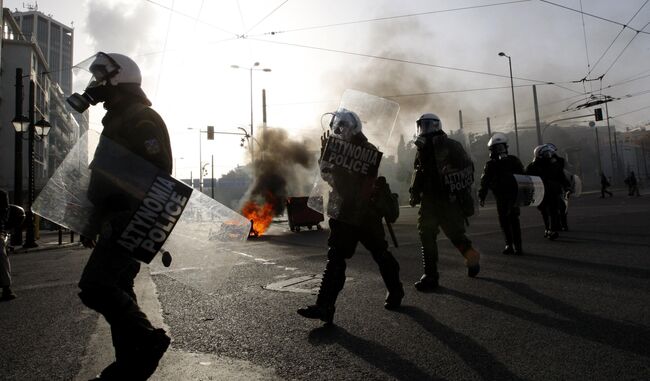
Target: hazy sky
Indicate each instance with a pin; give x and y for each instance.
(429, 56)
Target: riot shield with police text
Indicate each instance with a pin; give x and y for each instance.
(348, 169)
(117, 194)
(530, 190)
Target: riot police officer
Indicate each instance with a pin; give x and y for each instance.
(358, 202)
(550, 168)
(498, 177)
(442, 186)
(108, 278)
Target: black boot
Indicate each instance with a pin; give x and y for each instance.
(508, 250)
(429, 280)
(389, 270)
(427, 283)
(331, 285)
(314, 311)
(516, 236)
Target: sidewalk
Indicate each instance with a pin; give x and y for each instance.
(49, 240)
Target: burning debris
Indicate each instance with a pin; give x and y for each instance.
(280, 166)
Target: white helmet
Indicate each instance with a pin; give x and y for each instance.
(108, 73)
(497, 138)
(498, 146)
(345, 123)
(120, 68)
(428, 124)
(543, 151)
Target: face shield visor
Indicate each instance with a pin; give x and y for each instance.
(427, 126)
(96, 71)
(498, 151)
(345, 124)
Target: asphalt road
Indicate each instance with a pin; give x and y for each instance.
(574, 309)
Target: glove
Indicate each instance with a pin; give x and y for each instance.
(323, 142)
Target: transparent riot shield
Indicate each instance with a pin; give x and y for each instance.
(348, 170)
(378, 116)
(114, 193)
(530, 190)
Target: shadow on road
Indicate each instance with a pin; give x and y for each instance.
(627, 337)
(590, 266)
(376, 354)
(474, 355)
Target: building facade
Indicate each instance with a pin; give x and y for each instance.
(30, 53)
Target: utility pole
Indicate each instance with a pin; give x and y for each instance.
(611, 151)
(489, 129)
(600, 164)
(212, 176)
(537, 125)
(645, 163)
(17, 236)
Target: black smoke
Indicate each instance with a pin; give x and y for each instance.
(282, 167)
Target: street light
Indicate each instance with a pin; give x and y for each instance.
(42, 127)
(251, 69)
(514, 109)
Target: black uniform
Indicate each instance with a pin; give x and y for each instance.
(108, 278)
(359, 220)
(604, 184)
(551, 171)
(441, 184)
(498, 177)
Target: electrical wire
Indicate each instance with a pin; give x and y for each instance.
(191, 17)
(584, 32)
(162, 59)
(389, 18)
(537, 81)
(594, 16)
(267, 16)
(624, 49)
(615, 38)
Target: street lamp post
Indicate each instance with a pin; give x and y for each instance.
(42, 127)
(21, 124)
(514, 109)
(250, 69)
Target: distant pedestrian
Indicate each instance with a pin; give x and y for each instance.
(604, 184)
(632, 185)
(11, 216)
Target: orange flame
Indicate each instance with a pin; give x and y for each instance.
(261, 215)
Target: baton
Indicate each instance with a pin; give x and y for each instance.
(392, 233)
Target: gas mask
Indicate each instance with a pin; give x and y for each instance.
(498, 151)
(101, 67)
(345, 124)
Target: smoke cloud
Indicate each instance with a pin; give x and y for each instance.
(122, 27)
(282, 168)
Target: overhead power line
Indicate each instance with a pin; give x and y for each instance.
(400, 60)
(267, 16)
(616, 38)
(594, 16)
(198, 20)
(390, 17)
